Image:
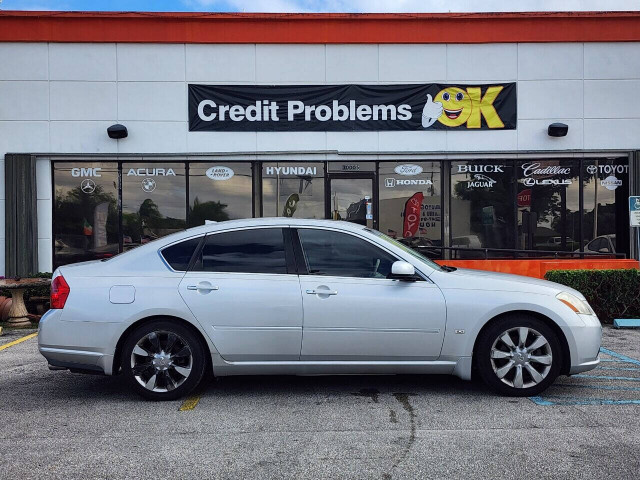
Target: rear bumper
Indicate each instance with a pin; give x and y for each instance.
(77, 346)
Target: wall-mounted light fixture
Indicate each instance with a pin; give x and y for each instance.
(558, 130)
(117, 131)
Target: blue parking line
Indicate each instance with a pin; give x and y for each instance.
(583, 401)
(619, 356)
(598, 387)
(608, 377)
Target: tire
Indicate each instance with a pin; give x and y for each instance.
(176, 369)
(511, 369)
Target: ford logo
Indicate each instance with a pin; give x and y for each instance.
(408, 169)
(219, 173)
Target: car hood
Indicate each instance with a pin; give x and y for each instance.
(464, 278)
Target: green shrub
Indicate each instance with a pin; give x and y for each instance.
(611, 293)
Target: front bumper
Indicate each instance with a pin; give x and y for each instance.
(584, 344)
(77, 346)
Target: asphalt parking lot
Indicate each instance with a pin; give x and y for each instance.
(64, 425)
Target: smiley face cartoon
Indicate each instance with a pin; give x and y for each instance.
(456, 105)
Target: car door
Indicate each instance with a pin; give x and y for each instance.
(353, 312)
(242, 290)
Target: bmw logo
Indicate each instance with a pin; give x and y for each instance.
(148, 185)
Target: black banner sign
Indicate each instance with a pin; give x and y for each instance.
(291, 108)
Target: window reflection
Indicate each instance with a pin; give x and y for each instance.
(85, 218)
(548, 205)
(606, 217)
(293, 190)
(153, 201)
(482, 212)
(401, 184)
(219, 191)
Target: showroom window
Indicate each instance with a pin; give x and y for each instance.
(411, 204)
(482, 207)
(219, 191)
(293, 190)
(153, 201)
(548, 202)
(605, 214)
(85, 214)
(259, 250)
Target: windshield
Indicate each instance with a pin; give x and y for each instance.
(410, 251)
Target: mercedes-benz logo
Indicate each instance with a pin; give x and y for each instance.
(88, 185)
(591, 169)
(148, 185)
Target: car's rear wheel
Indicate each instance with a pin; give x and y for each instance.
(518, 355)
(163, 360)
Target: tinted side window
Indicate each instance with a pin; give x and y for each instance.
(343, 255)
(258, 250)
(179, 255)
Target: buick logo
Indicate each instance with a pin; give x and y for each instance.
(148, 185)
(88, 185)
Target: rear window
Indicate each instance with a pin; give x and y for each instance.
(179, 255)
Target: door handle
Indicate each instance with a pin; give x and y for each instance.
(322, 292)
(202, 287)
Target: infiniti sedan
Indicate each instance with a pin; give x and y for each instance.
(288, 296)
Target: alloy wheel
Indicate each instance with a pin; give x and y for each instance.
(521, 357)
(161, 361)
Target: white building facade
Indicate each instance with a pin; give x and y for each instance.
(58, 98)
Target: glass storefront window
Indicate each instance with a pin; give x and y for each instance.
(548, 205)
(219, 191)
(85, 216)
(411, 204)
(153, 201)
(605, 214)
(482, 210)
(293, 190)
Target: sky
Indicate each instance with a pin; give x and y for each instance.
(302, 6)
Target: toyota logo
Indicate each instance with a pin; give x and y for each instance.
(591, 169)
(88, 185)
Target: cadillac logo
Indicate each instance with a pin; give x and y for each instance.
(148, 185)
(88, 185)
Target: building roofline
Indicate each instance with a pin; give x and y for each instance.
(318, 28)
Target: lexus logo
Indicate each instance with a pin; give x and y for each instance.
(88, 185)
(148, 185)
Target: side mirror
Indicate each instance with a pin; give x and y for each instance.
(403, 271)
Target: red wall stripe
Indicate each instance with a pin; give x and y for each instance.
(146, 27)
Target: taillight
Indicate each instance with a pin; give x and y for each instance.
(59, 292)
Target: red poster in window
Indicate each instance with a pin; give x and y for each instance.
(524, 198)
(412, 210)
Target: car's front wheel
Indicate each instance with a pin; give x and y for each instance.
(518, 355)
(163, 360)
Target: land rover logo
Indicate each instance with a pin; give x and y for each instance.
(148, 185)
(219, 173)
(408, 169)
(88, 185)
(611, 182)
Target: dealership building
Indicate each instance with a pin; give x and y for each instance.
(465, 136)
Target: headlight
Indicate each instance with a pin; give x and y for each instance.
(575, 304)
